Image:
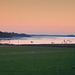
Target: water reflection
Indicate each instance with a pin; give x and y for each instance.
(39, 40)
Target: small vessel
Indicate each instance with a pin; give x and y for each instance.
(31, 41)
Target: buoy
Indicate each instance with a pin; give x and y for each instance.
(31, 41)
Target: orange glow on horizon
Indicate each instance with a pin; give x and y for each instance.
(37, 15)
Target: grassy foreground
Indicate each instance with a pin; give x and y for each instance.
(37, 64)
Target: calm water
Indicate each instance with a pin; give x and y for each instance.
(40, 40)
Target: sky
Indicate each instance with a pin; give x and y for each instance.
(38, 16)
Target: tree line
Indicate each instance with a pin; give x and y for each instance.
(12, 34)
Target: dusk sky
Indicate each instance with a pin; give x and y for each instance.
(38, 16)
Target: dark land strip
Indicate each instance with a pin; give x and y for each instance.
(15, 53)
(41, 45)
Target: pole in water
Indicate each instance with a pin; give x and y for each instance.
(18, 41)
(9, 41)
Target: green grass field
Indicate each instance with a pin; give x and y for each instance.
(59, 63)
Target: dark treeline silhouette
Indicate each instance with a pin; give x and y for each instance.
(4, 35)
(19, 35)
(12, 34)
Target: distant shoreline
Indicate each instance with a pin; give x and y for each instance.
(42, 45)
(56, 35)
